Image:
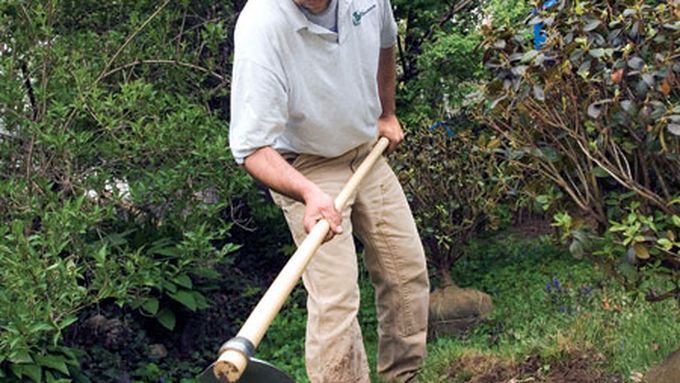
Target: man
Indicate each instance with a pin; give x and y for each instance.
(313, 86)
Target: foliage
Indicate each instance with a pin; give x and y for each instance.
(595, 111)
(455, 183)
(115, 178)
(462, 166)
(592, 311)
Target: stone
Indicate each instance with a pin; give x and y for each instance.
(455, 310)
(157, 351)
(666, 372)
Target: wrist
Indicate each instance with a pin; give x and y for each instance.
(308, 192)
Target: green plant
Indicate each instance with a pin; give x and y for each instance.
(594, 111)
(629, 333)
(116, 183)
(455, 186)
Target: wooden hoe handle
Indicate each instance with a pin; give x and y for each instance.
(234, 355)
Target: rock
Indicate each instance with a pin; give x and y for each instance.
(454, 310)
(157, 351)
(666, 372)
(96, 323)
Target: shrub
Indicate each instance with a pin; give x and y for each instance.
(454, 181)
(455, 186)
(594, 111)
(115, 177)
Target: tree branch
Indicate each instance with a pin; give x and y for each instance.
(163, 61)
(29, 89)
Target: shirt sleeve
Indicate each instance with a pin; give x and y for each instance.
(388, 32)
(258, 108)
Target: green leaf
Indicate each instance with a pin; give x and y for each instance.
(674, 129)
(599, 172)
(165, 251)
(184, 281)
(20, 356)
(591, 25)
(597, 53)
(576, 249)
(201, 301)
(206, 273)
(33, 371)
(69, 320)
(539, 94)
(169, 286)
(166, 318)
(635, 63)
(100, 255)
(665, 243)
(54, 362)
(676, 220)
(530, 55)
(42, 326)
(17, 370)
(151, 306)
(184, 297)
(136, 303)
(641, 251)
(550, 153)
(628, 106)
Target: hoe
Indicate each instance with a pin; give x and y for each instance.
(235, 362)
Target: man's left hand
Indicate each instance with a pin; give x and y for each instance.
(390, 128)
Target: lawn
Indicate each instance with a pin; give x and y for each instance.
(553, 316)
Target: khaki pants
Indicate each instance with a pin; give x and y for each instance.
(378, 214)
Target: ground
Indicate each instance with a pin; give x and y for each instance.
(583, 367)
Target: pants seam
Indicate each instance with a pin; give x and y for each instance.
(396, 264)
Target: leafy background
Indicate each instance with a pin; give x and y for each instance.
(132, 246)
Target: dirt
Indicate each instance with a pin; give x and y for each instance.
(584, 367)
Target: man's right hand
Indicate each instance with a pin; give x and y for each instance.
(319, 205)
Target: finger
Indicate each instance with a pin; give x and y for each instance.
(335, 221)
(392, 146)
(308, 222)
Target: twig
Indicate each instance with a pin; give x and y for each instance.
(653, 297)
(164, 61)
(115, 56)
(128, 40)
(29, 89)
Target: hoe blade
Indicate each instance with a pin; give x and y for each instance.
(258, 371)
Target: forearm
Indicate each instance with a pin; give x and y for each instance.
(387, 81)
(268, 167)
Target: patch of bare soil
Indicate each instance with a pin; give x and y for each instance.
(585, 367)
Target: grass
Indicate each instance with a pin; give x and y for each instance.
(545, 303)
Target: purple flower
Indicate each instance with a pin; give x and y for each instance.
(556, 284)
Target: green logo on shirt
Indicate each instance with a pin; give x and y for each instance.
(358, 15)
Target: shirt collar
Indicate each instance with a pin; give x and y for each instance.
(299, 21)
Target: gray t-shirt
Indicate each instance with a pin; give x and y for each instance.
(328, 18)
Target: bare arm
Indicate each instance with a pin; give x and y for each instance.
(388, 124)
(267, 166)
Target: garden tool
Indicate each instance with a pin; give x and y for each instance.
(235, 361)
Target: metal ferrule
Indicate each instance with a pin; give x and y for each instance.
(240, 344)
